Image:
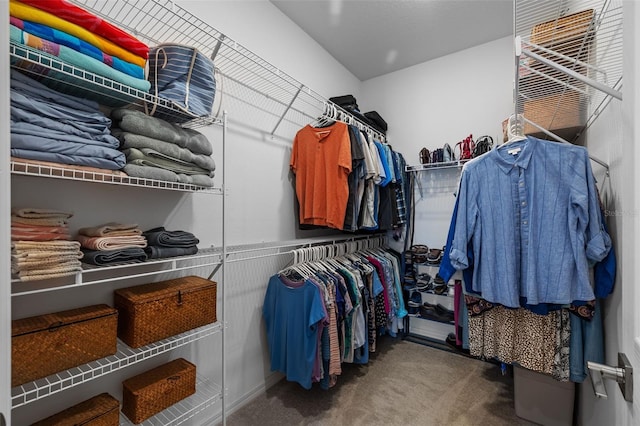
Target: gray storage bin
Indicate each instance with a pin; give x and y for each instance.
(542, 399)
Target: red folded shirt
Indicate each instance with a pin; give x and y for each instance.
(93, 23)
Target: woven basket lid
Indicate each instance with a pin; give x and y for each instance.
(57, 319)
(84, 412)
(151, 377)
(154, 291)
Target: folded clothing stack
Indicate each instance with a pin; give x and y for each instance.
(40, 246)
(112, 242)
(49, 126)
(157, 149)
(163, 243)
(60, 29)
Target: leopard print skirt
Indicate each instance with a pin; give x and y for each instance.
(536, 342)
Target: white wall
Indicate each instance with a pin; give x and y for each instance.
(443, 101)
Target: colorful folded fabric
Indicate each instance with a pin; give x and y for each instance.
(43, 221)
(29, 13)
(37, 236)
(111, 229)
(78, 45)
(112, 243)
(39, 228)
(93, 23)
(75, 58)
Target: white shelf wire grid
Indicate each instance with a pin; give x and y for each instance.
(62, 172)
(92, 274)
(207, 394)
(554, 98)
(124, 357)
(73, 80)
(435, 166)
(246, 82)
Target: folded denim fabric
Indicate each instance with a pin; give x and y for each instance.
(135, 170)
(111, 229)
(112, 243)
(29, 129)
(105, 257)
(155, 252)
(141, 158)
(162, 238)
(139, 123)
(132, 140)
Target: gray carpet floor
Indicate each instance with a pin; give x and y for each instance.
(405, 383)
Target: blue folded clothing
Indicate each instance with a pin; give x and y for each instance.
(160, 237)
(107, 257)
(155, 252)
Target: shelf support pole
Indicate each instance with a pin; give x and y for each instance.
(286, 110)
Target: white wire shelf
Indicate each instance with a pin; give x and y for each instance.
(571, 64)
(126, 356)
(76, 81)
(247, 85)
(62, 172)
(92, 274)
(207, 394)
(435, 166)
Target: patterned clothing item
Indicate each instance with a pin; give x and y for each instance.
(515, 335)
(561, 361)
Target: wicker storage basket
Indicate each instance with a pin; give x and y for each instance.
(46, 344)
(152, 391)
(569, 35)
(555, 112)
(101, 410)
(151, 312)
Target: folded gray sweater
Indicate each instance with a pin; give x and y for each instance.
(139, 123)
(131, 140)
(148, 172)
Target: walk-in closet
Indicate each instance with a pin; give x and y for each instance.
(268, 212)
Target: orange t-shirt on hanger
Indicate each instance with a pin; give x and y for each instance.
(321, 161)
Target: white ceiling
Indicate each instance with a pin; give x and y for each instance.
(375, 37)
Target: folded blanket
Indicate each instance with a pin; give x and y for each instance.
(21, 227)
(151, 158)
(78, 45)
(155, 173)
(163, 238)
(25, 164)
(132, 140)
(47, 275)
(29, 13)
(112, 243)
(50, 272)
(111, 229)
(41, 246)
(106, 257)
(154, 252)
(95, 24)
(77, 59)
(73, 109)
(38, 236)
(31, 264)
(139, 123)
(33, 221)
(44, 255)
(35, 213)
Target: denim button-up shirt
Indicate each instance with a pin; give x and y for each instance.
(531, 213)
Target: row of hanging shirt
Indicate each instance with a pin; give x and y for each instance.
(321, 314)
(347, 179)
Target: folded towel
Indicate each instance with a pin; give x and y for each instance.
(29, 13)
(106, 257)
(21, 256)
(111, 229)
(155, 252)
(139, 123)
(65, 54)
(51, 272)
(39, 228)
(55, 246)
(78, 45)
(35, 213)
(132, 140)
(26, 265)
(38, 236)
(162, 238)
(95, 24)
(151, 158)
(156, 173)
(112, 243)
(48, 275)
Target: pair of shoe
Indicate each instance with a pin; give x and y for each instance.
(419, 253)
(414, 302)
(436, 312)
(423, 282)
(434, 256)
